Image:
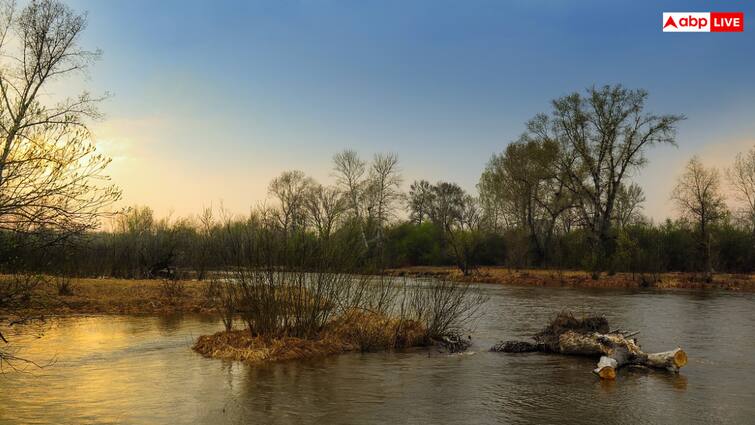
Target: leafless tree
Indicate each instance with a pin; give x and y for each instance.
(50, 174)
(698, 197)
(205, 229)
(52, 180)
(350, 172)
(384, 189)
(603, 137)
(325, 205)
(372, 193)
(291, 189)
(742, 179)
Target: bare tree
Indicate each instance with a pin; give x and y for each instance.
(291, 189)
(325, 205)
(372, 194)
(52, 180)
(206, 227)
(50, 174)
(603, 138)
(350, 171)
(698, 197)
(742, 179)
(384, 188)
(420, 200)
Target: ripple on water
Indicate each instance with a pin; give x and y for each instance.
(142, 370)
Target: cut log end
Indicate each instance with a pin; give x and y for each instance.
(680, 358)
(606, 372)
(607, 368)
(672, 360)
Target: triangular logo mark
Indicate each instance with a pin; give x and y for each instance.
(670, 22)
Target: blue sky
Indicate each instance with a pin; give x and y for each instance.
(213, 99)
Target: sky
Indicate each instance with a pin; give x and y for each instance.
(212, 99)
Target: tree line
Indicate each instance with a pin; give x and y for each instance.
(560, 196)
(524, 217)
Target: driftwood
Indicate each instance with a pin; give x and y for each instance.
(591, 336)
(453, 343)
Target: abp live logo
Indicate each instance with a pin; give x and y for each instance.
(703, 21)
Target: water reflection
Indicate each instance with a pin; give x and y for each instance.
(141, 370)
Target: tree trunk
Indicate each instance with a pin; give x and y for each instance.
(614, 349)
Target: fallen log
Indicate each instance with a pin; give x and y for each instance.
(590, 336)
(672, 360)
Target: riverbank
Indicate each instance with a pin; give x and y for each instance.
(159, 297)
(112, 296)
(580, 279)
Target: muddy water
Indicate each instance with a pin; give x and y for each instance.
(135, 370)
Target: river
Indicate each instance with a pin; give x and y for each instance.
(141, 370)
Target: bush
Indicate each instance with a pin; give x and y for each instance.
(173, 290)
(64, 285)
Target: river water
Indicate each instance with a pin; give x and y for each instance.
(141, 370)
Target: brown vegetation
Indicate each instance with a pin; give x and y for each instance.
(113, 296)
(583, 279)
(355, 331)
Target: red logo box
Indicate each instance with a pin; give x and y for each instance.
(727, 21)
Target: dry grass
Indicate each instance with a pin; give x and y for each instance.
(242, 346)
(118, 296)
(371, 331)
(581, 279)
(354, 331)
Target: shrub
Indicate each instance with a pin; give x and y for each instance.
(173, 290)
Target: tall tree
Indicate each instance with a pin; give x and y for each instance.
(350, 171)
(51, 177)
(325, 205)
(628, 208)
(457, 215)
(464, 233)
(291, 189)
(698, 197)
(447, 205)
(52, 181)
(603, 137)
(525, 181)
(742, 179)
(384, 189)
(420, 201)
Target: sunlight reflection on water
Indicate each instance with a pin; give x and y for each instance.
(142, 370)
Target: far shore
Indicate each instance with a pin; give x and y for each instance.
(581, 279)
(150, 296)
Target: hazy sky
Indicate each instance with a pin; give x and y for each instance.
(213, 99)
